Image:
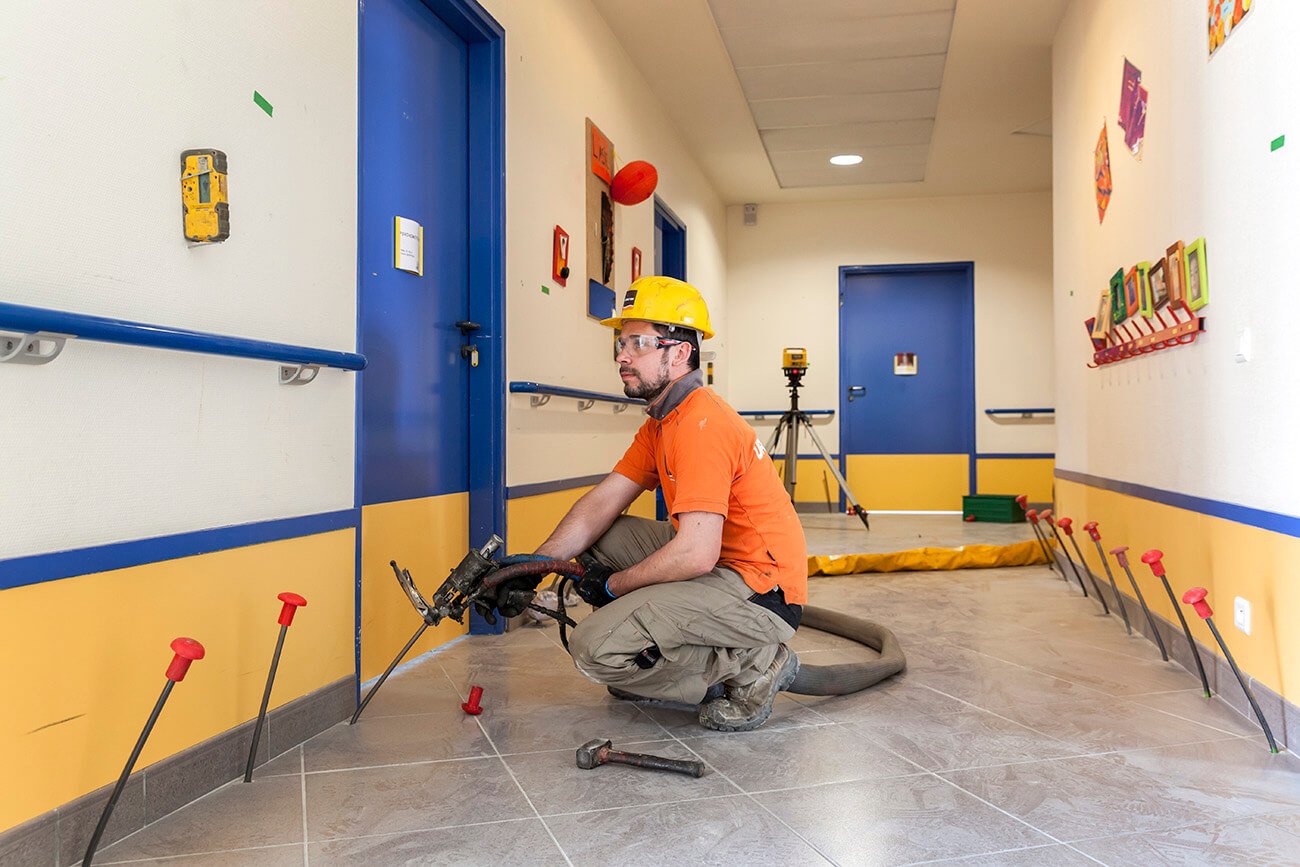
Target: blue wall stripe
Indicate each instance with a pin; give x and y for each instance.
(1273, 521)
(1005, 455)
(516, 491)
(37, 568)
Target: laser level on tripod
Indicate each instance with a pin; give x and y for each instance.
(794, 364)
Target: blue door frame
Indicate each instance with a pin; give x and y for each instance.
(670, 261)
(967, 270)
(485, 44)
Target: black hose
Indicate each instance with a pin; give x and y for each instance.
(848, 677)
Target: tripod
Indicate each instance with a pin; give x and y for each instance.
(791, 420)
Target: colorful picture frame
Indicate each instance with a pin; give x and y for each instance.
(1118, 310)
(1101, 323)
(1098, 343)
(1159, 291)
(1176, 275)
(1146, 304)
(1198, 277)
(1131, 303)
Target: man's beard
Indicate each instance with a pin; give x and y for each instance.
(647, 389)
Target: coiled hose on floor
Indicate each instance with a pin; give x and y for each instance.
(841, 679)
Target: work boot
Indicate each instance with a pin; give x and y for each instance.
(715, 692)
(745, 708)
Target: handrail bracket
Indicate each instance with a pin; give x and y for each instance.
(298, 374)
(41, 347)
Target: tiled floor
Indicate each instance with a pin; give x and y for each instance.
(1028, 729)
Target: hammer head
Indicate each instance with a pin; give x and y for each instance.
(593, 753)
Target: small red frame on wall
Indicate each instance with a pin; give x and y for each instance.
(560, 257)
(636, 264)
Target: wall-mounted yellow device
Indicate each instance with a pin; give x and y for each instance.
(203, 195)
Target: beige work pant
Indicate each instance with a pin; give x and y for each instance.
(705, 627)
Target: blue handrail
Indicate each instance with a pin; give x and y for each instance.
(764, 412)
(31, 320)
(565, 391)
(1024, 413)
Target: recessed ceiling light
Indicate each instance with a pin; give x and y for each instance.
(845, 160)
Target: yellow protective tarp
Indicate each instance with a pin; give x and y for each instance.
(930, 559)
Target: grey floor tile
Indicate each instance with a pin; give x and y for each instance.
(1191, 704)
(450, 733)
(812, 639)
(965, 740)
(897, 700)
(897, 821)
(1038, 856)
(412, 692)
(271, 856)
(289, 762)
(1242, 841)
(527, 728)
(518, 841)
(411, 798)
(555, 784)
(731, 830)
(763, 760)
(1110, 724)
(239, 815)
(1146, 790)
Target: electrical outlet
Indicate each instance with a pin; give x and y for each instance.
(1241, 614)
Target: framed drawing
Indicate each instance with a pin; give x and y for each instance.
(1198, 278)
(1159, 291)
(1118, 310)
(1101, 325)
(1131, 292)
(1175, 276)
(1146, 305)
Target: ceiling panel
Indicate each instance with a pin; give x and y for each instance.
(747, 13)
(844, 136)
(845, 77)
(838, 40)
(872, 158)
(850, 176)
(827, 110)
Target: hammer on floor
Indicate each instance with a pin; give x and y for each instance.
(597, 752)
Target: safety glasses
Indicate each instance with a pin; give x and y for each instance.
(637, 345)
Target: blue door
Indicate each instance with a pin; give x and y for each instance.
(414, 151)
(908, 439)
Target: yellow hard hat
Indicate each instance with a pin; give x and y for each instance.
(666, 301)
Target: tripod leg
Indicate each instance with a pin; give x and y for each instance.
(791, 454)
(835, 471)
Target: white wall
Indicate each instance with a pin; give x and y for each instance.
(783, 278)
(562, 66)
(111, 443)
(1189, 419)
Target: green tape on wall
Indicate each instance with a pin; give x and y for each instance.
(1277, 143)
(262, 103)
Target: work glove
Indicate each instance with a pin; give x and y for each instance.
(593, 586)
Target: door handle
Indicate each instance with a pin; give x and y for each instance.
(857, 391)
(467, 328)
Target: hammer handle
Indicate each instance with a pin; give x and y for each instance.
(656, 763)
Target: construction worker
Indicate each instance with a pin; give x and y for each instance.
(698, 609)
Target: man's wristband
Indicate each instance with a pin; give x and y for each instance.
(608, 592)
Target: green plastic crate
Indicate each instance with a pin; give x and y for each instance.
(994, 508)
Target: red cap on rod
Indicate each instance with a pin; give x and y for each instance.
(187, 650)
(292, 602)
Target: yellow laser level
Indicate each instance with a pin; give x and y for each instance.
(203, 195)
(795, 357)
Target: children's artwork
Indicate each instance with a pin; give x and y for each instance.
(1176, 275)
(1091, 324)
(1146, 304)
(1224, 16)
(1131, 292)
(1118, 310)
(1102, 323)
(602, 156)
(1101, 173)
(1132, 108)
(1159, 291)
(1198, 278)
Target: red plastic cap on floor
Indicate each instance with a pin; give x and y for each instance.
(1196, 598)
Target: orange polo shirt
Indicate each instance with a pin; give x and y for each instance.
(707, 459)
